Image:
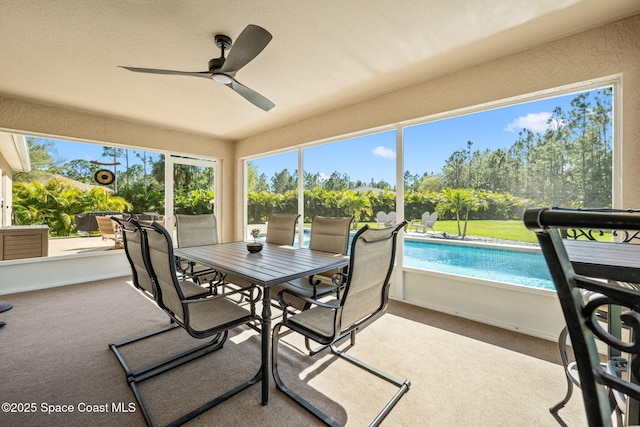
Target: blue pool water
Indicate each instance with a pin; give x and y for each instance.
(500, 264)
(504, 265)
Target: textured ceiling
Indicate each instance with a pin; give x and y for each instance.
(324, 54)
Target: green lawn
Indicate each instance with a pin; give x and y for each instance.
(499, 229)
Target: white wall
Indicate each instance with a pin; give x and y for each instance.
(48, 272)
(523, 309)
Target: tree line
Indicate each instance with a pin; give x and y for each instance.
(570, 164)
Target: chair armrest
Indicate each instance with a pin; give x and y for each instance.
(338, 279)
(312, 301)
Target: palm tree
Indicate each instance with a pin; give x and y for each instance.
(357, 203)
(460, 202)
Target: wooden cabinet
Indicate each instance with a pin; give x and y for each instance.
(24, 241)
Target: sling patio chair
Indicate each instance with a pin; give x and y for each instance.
(281, 229)
(364, 299)
(202, 230)
(201, 316)
(328, 234)
(197, 230)
(608, 383)
(143, 281)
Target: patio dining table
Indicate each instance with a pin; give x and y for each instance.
(273, 265)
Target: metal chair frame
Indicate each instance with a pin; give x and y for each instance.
(623, 236)
(601, 384)
(311, 286)
(339, 307)
(207, 235)
(150, 291)
(218, 331)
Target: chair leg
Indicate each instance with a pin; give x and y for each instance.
(562, 346)
(403, 386)
(215, 402)
(115, 347)
(169, 363)
(134, 381)
(318, 349)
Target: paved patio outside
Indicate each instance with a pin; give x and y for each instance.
(76, 245)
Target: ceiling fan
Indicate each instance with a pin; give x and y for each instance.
(251, 41)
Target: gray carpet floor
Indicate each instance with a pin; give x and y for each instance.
(54, 357)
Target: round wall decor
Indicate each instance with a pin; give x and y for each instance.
(104, 177)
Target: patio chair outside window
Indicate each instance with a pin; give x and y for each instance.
(328, 234)
(428, 220)
(384, 219)
(364, 298)
(110, 230)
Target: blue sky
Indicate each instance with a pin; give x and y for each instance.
(427, 146)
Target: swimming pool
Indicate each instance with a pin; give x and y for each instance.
(484, 262)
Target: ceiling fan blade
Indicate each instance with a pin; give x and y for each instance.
(251, 41)
(251, 95)
(206, 74)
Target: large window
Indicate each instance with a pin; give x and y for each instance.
(473, 173)
(479, 172)
(71, 179)
(348, 177)
(490, 165)
(272, 188)
(351, 177)
(194, 186)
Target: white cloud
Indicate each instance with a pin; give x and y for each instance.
(323, 176)
(535, 122)
(384, 152)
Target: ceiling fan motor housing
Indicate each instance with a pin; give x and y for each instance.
(224, 43)
(216, 63)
